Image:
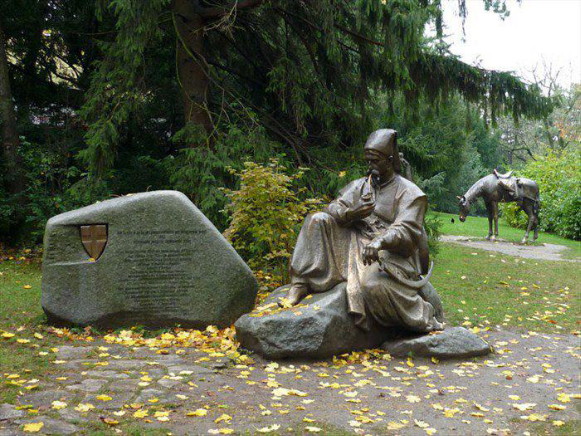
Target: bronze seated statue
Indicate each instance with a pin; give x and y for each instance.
(372, 237)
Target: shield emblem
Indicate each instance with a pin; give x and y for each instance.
(94, 238)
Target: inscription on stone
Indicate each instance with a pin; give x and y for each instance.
(163, 263)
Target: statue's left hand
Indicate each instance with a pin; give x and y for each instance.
(371, 252)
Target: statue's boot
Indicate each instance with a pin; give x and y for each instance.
(435, 325)
(296, 293)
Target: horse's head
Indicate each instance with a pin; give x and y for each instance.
(464, 208)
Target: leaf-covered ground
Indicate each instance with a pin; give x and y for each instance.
(200, 382)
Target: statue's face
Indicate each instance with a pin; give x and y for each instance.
(379, 165)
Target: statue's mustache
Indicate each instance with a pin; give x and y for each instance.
(374, 177)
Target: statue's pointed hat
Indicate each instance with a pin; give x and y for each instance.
(384, 142)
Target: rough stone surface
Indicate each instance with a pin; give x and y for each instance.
(8, 411)
(54, 426)
(453, 342)
(164, 263)
(318, 327)
(88, 385)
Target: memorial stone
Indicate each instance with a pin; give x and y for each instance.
(150, 259)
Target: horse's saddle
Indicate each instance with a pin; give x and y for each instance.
(516, 188)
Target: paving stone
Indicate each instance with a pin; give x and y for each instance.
(67, 352)
(126, 364)
(168, 383)
(119, 399)
(125, 385)
(88, 385)
(45, 398)
(8, 411)
(107, 374)
(150, 393)
(195, 370)
(53, 426)
(71, 415)
(169, 360)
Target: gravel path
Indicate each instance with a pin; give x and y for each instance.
(530, 377)
(540, 252)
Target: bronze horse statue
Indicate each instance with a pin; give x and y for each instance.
(505, 188)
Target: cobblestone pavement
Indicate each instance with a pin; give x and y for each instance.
(530, 379)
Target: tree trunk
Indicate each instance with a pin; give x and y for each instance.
(13, 177)
(191, 65)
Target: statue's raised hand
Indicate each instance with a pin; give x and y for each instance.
(371, 252)
(360, 210)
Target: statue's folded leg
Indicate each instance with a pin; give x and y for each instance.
(321, 255)
(394, 304)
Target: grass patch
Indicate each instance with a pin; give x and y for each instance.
(485, 288)
(21, 315)
(478, 227)
(569, 428)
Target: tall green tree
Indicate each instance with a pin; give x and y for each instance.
(13, 177)
(305, 71)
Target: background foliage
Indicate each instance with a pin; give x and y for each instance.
(117, 96)
(559, 180)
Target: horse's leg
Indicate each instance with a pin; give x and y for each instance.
(490, 214)
(536, 223)
(528, 208)
(495, 219)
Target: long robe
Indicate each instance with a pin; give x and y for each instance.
(329, 251)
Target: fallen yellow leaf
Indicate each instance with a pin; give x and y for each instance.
(33, 427)
(197, 412)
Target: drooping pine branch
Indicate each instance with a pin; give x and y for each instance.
(116, 87)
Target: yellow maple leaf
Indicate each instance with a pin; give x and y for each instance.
(392, 425)
(421, 424)
(140, 413)
(557, 407)
(84, 407)
(449, 413)
(33, 427)
(524, 406)
(110, 421)
(103, 398)
(161, 414)
(58, 405)
(273, 427)
(197, 412)
(224, 417)
(313, 429)
(534, 417)
(413, 398)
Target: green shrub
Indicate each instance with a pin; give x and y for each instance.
(559, 180)
(266, 215)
